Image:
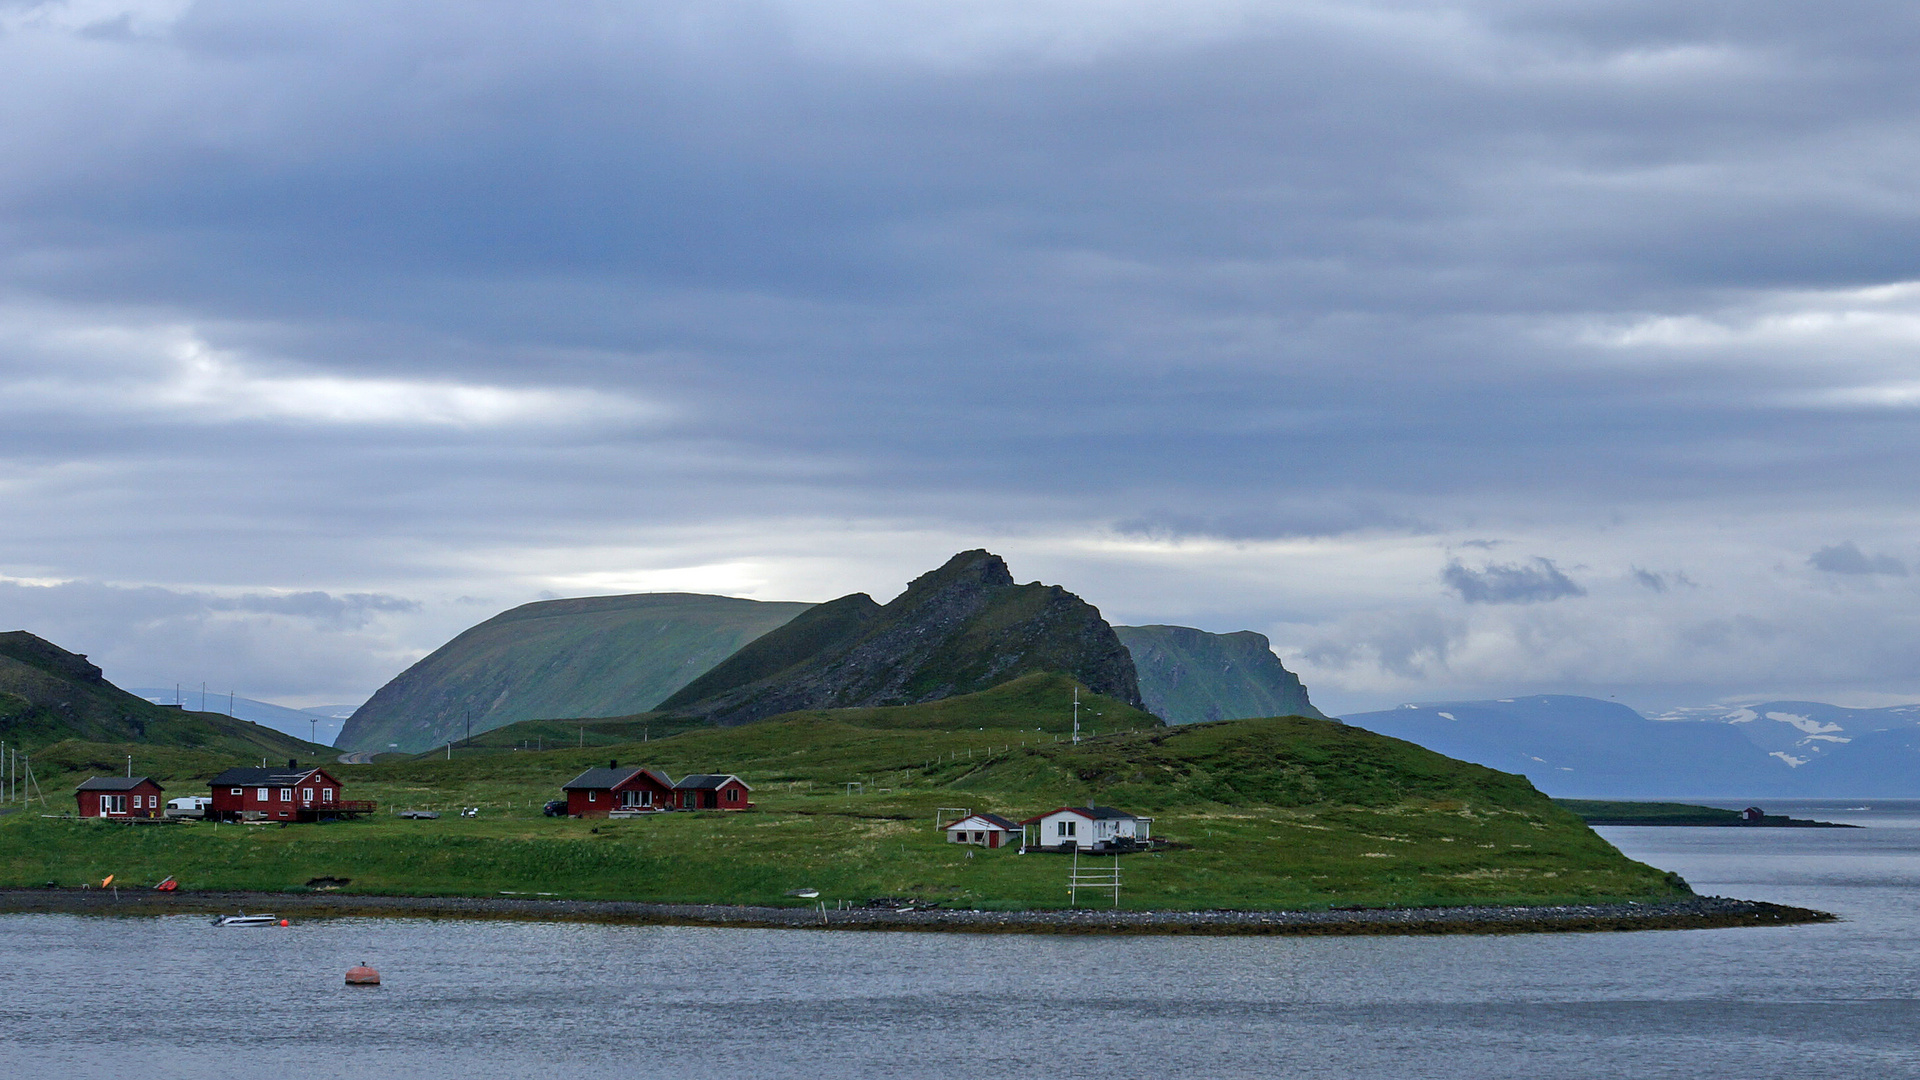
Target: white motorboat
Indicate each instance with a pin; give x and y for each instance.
(244, 919)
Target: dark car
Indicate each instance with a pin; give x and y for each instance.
(556, 808)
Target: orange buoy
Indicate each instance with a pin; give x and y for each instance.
(362, 976)
(284, 922)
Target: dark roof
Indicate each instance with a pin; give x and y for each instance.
(995, 820)
(604, 779)
(709, 781)
(116, 783)
(272, 776)
(1097, 813)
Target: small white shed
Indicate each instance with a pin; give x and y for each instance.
(1086, 828)
(987, 830)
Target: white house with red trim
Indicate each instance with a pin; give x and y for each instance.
(1085, 828)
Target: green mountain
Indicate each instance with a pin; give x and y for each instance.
(49, 695)
(1188, 675)
(593, 656)
(962, 628)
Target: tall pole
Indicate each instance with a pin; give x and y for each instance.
(1076, 716)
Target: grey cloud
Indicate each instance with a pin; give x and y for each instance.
(1847, 558)
(1659, 581)
(1310, 278)
(1510, 583)
(303, 645)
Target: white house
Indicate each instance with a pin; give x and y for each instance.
(987, 830)
(1085, 828)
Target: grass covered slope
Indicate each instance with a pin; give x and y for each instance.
(1264, 814)
(49, 695)
(1189, 675)
(593, 656)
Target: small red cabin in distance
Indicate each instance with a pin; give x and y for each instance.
(119, 797)
(275, 794)
(599, 792)
(712, 791)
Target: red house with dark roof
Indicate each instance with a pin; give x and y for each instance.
(295, 793)
(712, 791)
(599, 792)
(119, 797)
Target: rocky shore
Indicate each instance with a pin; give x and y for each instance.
(1691, 914)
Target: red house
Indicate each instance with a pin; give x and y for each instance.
(710, 791)
(119, 797)
(295, 793)
(599, 792)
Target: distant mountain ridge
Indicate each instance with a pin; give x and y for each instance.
(322, 724)
(1190, 676)
(589, 656)
(49, 695)
(960, 629)
(1579, 747)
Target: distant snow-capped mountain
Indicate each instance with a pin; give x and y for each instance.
(1580, 747)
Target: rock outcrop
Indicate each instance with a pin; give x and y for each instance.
(960, 629)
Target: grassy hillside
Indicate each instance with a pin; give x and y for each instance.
(959, 629)
(49, 695)
(1272, 813)
(594, 656)
(1189, 675)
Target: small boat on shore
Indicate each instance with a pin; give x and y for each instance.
(244, 919)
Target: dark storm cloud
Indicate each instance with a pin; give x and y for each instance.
(1847, 558)
(1510, 583)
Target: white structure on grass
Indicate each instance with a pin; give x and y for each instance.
(1085, 828)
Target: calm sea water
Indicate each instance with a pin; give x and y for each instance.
(175, 998)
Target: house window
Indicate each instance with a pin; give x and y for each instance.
(306, 794)
(260, 794)
(733, 794)
(326, 794)
(286, 794)
(1066, 828)
(979, 838)
(593, 796)
(233, 791)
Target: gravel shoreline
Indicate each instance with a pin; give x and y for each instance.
(1697, 913)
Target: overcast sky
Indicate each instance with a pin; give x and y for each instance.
(1465, 349)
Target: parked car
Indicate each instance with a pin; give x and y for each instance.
(556, 808)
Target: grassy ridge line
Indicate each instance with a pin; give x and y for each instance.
(1267, 814)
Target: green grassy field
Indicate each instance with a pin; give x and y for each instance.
(1264, 814)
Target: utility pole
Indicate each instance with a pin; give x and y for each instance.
(1076, 716)
(129, 766)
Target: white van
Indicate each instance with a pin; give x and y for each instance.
(189, 806)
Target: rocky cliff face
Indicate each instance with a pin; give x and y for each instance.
(1188, 675)
(960, 629)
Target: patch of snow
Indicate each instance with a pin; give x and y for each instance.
(1449, 716)
(1804, 723)
(1506, 701)
(1824, 738)
(1742, 716)
(1792, 762)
